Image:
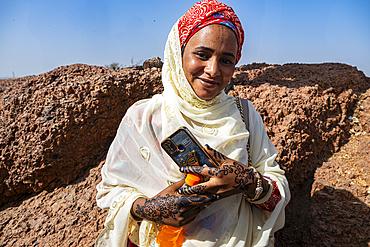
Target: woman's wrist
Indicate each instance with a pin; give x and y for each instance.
(139, 201)
(259, 188)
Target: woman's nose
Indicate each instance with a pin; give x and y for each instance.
(213, 67)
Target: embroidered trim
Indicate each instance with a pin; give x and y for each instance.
(170, 111)
(210, 129)
(145, 152)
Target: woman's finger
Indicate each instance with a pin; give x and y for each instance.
(199, 189)
(219, 157)
(175, 186)
(190, 215)
(188, 202)
(205, 188)
(199, 170)
(200, 199)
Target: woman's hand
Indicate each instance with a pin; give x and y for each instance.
(230, 178)
(170, 208)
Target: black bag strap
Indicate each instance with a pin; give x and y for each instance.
(244, 112)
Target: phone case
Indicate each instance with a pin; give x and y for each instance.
(186, 150)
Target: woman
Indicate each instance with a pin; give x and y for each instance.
(142, 186)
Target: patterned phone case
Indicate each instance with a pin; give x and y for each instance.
(186, 150)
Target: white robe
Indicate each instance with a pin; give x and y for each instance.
(136, 166)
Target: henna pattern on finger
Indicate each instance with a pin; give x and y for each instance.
(194, 190)
(195, 169)
(219, 155)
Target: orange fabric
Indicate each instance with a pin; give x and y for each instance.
(170, 236)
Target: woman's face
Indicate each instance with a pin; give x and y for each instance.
(209, 60)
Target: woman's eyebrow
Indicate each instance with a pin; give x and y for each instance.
(211, 50)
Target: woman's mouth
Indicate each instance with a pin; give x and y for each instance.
(208, 83)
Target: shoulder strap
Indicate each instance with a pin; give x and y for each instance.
(245, 107)
(244, 112)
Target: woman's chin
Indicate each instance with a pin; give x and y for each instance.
(207, 91)
(207, 95)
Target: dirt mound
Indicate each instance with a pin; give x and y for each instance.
(153, 63)
(56, 127)
(53, 126)
(305, 109)
(341, 188)
(333, 207)
(308, 113)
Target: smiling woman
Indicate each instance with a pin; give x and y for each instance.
(209, 60)
(239, 203)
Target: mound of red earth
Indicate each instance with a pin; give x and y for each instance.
(341, 189)
(55, 125)
(56, 128)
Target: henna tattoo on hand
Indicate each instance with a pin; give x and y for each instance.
(169, 206)
(243, 177)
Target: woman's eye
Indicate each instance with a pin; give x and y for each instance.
(226, 61)
(201, 55)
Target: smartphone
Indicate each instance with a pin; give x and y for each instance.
(186, 150)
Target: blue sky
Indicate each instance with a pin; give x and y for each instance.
(37, 36)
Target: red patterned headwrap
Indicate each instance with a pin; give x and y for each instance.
(206, 13)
